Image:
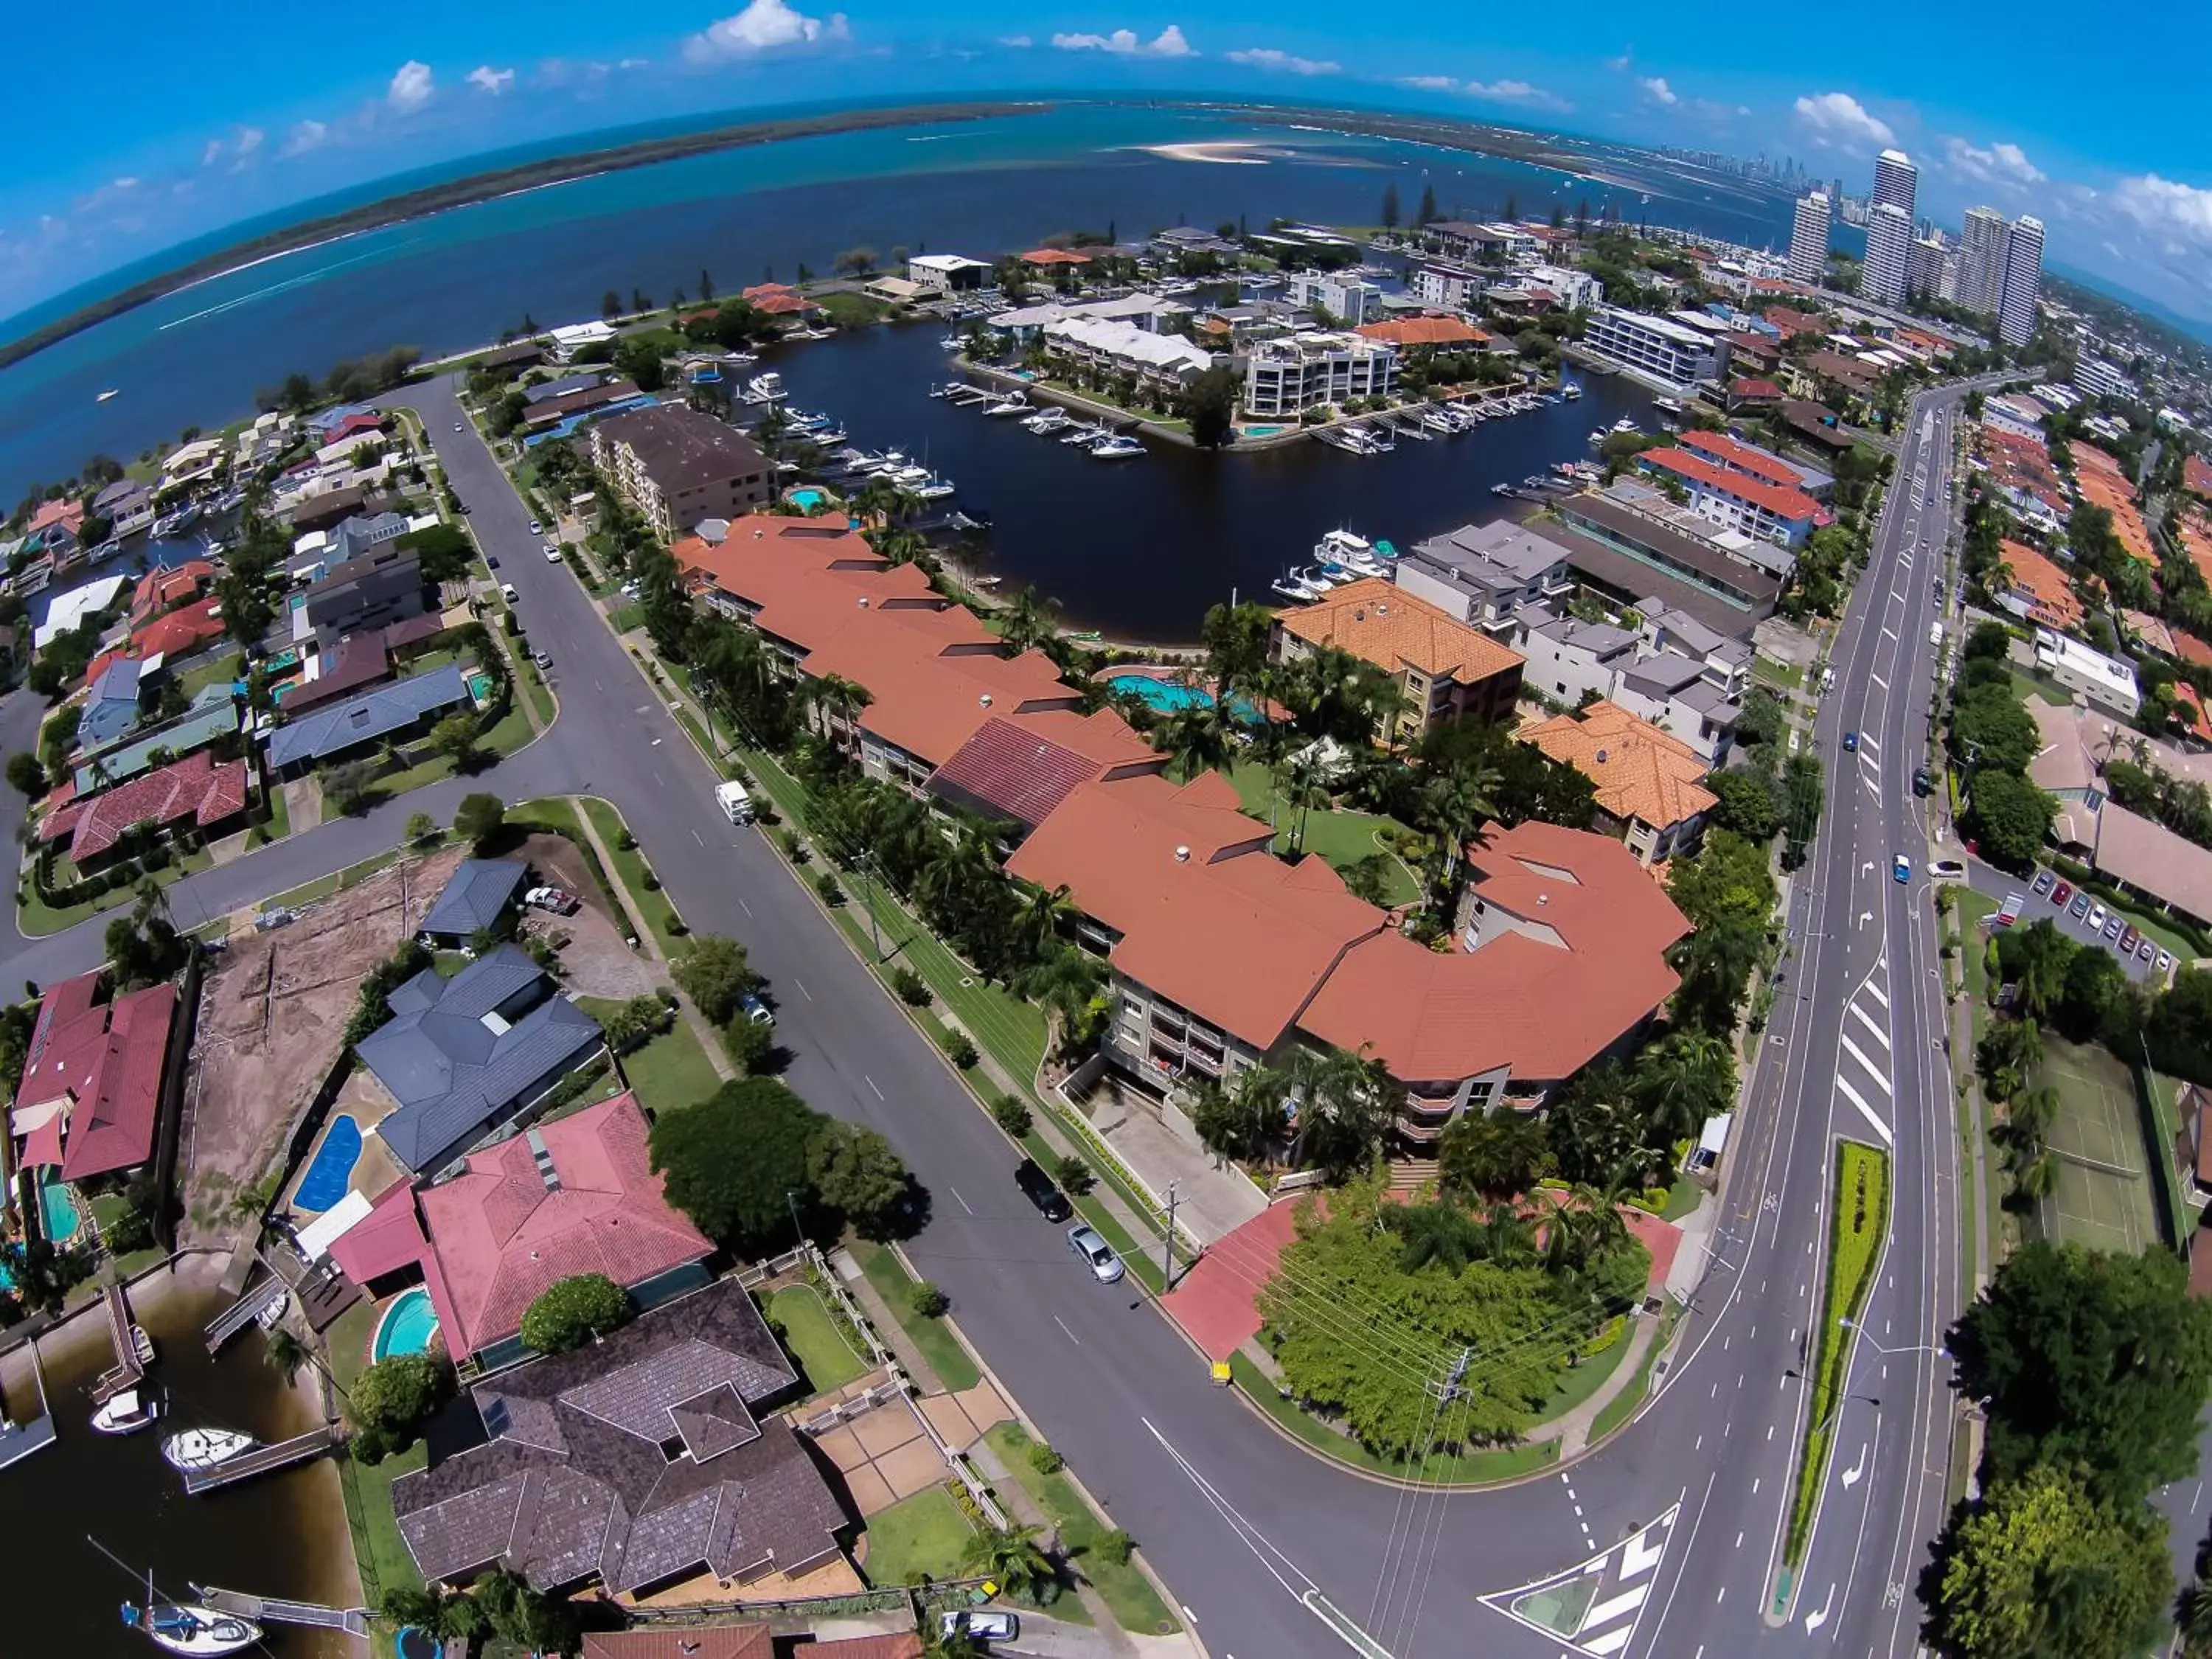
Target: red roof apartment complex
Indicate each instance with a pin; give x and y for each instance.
(1446, 668)
(1731, 494)
(90, 1098)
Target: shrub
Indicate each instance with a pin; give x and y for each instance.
(926, 1299)
(133, 1231)
(960, 1049)
(748, 1046)
(1074, 1175)
(827, 889)
(793, 848)
(1044, 1460)
(912, 988)
(1115, 1547)
(570, 1312)
(1013, 1115)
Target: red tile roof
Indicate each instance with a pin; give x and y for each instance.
(176, 635)
(1745, 385)
(1055, 255)
(91, 1091)
(1011, 771)
(2047, 585)
(2197, 476)
(502, 1235)
(159, 589)
(752, 1641)
(59, 511)
(1719, 447)
(1404, 331)
(194, 788)
(784, 305)
(1793, 505)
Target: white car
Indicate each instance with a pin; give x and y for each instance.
(981, 1624)
(1097, 1255)
(552, 553)
(1946, 870)
(536, 528)
(2096, 918)
(458, 427)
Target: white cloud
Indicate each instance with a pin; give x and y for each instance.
(211, 153)
(493, 81)
(249, 140)
(1124, 43)
(412, 87)
(763, 25)
(126, 184)
(1267, 58)
(304, 136)
(1619, 63)
(2180, 215)
(2000, 164)
(1837, 118)
(1656, 86)
(1515, 92)
(631, 62)
(1429, 83)
(1019, 42)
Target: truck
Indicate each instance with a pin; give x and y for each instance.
(736, 806)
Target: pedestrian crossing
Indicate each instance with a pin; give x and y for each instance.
(1593, 1608)
(1862, 1068)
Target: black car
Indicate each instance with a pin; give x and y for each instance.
(1037, 1186)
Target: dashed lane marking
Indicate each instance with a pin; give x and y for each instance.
(1593, 1608)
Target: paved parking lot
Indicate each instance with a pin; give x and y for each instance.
(1997, 884)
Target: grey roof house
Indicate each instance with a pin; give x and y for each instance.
(467, 1054)
(383, 584)
(111, 707)
(329, 733)
(475, 897)
(636, 1460)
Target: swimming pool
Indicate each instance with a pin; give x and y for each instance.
(807, 500)
(407, 1327)
(324, 1183)
(58, 1213)
(1166, 695)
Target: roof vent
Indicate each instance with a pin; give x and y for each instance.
(1359, 612)
(864, 602)
(1182, 855)
(985, 700)
(1601, 757)
(542, 1156)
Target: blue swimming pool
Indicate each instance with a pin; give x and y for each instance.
(1169, 695)
(324, 1183)
(407, 1326)
(807, 500)
(58, 1213)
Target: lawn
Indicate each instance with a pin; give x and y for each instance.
(924, 1535)
(377, 1546)
(1506, 1464)
(37, 918)
(1858, 1219)
(1342, 837)
(935, 1339)
(535, 692)
(650, 904)
(1618, 1410)
(626, 618)
(823, 1353)
(1972, 909)
(671, 1071)
(1129, 1595)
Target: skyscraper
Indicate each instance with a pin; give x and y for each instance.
(1981, 259)
(1808, 238)
(1897, 182)
(1889, 237)
(1923, 266)
(2023, 280)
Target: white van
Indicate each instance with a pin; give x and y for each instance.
(736, 806)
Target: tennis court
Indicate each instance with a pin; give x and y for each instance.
(2103, 1198)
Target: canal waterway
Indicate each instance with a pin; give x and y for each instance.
(1139, 548)
(283, 1534)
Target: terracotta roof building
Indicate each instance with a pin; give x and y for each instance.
(89, 1100)
(161, 590)
(1649, 787)
(1411, 332)
(1447, 668)
(2039, 591)
(1046, 258)
(2197, 476)
(1732, 495)
(194, 789)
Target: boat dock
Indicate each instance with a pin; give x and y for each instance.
(129, 1371)
(243, 1312)
(264, 1459)
(274, 1610)
(18, 1440)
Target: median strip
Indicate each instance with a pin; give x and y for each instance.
(1858, 1222)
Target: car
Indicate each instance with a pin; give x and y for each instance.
(2145, 949)
(2129, 940)
(1923, 781)
(1097, 1255)
(2080, 907)
(2043, 881)
(458, 427)
(559, 901)
(755, 1010)
(492, 560)
(536, 528)
(631, 590)
(507, 592)
(1902, 869)
(552, 553)
(1851, 742)
(543, 658)
(981, 1624)
(1946, 870)
(1037, 1186)
(2096, 918)
(2060, 893)
(2112, 928)
(2165, 961)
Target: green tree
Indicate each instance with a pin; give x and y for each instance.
(854, 1171)
(738, 1162)
(1991, 728)
(1428, 213)
(1389, 214)
(1012, 1557)
(455, 738)
(26, 775)
(715, 975)
(570, 1312)
(478, 818)
(1682, 1080)
(390, 1401)
(421, 828)
(1747, 804)
(1498, 1155)
(1209, 403)
(350, 786)
(2008, 819)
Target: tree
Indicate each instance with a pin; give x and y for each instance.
(2008, 819)
(2036, 959)
(1682, 1080)
(26, 775)
(854, 1171)
(478, 818)
(1012, 1557)
(1428, 213)
(609, 305)
(2041, 1567)
(455, 738)
(393, 1399)
(1389, 215)
(2088, 1358)
(284, 1352)
(1209, 403)
(1494, 1155)
(1991, 728)
(1747, 804)
(570, 1312)
(736, 1162)
(713, 973)
(422, 828)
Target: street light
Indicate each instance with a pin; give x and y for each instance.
(1923, 1347)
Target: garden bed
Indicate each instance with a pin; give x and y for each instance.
(1857, 1223)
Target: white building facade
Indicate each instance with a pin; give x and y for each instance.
(1285, 377)
(2023, 280)
(1809, 238)
(1657, 346)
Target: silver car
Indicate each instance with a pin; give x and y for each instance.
(981, 1624)
(1097, 1255)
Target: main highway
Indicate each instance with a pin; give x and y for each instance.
(1678, 1521)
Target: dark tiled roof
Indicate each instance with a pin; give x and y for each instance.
(1005, 772)
(476, 894)
(389, 708)
(682, 448)
(642, 1462)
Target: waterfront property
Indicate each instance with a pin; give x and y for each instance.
(1649, 784)
(678, 466)
(1629, 540)
(95, 1074)
(1447, 669)
(1487, 575)
(1283, 379)
(1661, 349)
(639, 1460)
(1729, 495)
(381, 585)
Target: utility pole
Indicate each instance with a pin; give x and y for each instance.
(1167, 1244)
(1449, 1391)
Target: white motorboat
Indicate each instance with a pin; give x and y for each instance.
(194, 1450)
(1079, 433)
(910, 478)
(1014, 402)
(273, 1309)
(142, 1346)
(952, 342)
(1569, 390)
(1293, 586)
(1671, 405)
(1119, 447)
(192, 1627)
(766, 387)
(1342, 548)
(935, 490)
(105, 395)
(1051, 419)
(127, 1412)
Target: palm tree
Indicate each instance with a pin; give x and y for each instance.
(1027, 622)
(1497, 1156)
(1068, 981)
(1454, 807)
(285, 1353)
(1682, 1081)
(1038, 919)
(2194, 1614)
(1197, 735)
(844, 697)
(1344, 1105)
(1012, 1557)
(2039, 1176)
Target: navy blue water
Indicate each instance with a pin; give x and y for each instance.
(455, 279)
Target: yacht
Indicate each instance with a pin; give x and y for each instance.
(1078, 432)
(1014, 402)
(910, 478)
(1051, 419)
(1437, 418)
(206, 1449)
(191, 1627)
(766, 387)
(1119, 447)
(1381, 440)
(1350, 552)
(1624, 424)
(127, 1412)
(105, 395)
(831, 433)
(1569, 390)
(952, 342)
(1671, 405)
(1294, 586)
(935, 489)
(1501, 489)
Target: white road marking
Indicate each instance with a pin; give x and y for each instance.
(1881, 1036)
(870, 1082)
(1860, 1055)
(1889, 632)
(1876, 991)
(964, 1204)
(1866, 743)
(1866, 1112)
(804, 992)
(1071, 1336)
(745, 907)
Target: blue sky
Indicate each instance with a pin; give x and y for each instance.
(167, 123)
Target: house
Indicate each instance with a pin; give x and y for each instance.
(1649, 787)
(163, 589)
(639, 1460)
(1575, 662)
(190, 463)
(328, 510)
(476, 897)
(392, 711)
(89, 1101)
(1747, 394)
(1745, 460)
(357, 662)
(382, 585)
(568, 341)
(1672, 691)
(465, 1054)
(1165, 361)
(947, 273)
(211, 714)
(1409, 334)
(1283, 378)
(111, 705)
(1815, 424)
(2108, 681)
(1054, 258)
(1726, 659)
(678, 467)
(1447, 669)
(2038, 591)
(1448, 286)
(355, 537)
(1486, 575)
(576, 1195)
(68, 611)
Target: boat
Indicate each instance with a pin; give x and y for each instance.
(831, 433)
(1569, 390)
(950, 341)
(1671, 405)
(127, 1412)
(1501, 489)
(1342, 550)
(105, 396)
(273, 1309)
(765, 387)
(191, 1627)
(936, 489)
(176, 523)
(1078, 432)
(1119, 447)
(1381, 440)
(1293, 585)
(1049, 419)
(910, 478)
(193, 1450)
(143, 1346)
(1014, 402)
(1624, 424)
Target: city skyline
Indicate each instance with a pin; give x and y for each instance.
(313, 105)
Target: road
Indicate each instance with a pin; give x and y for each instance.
(1247, 1532)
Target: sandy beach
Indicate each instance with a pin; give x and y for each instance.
(1234, 153)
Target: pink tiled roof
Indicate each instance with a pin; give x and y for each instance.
(194, 788)
(101, 1063)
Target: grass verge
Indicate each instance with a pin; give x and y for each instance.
(823, 1354)
(933, 1338)
(1858, 1218)
(650, 904)
(1129, 1595)
(1466, 1469)
(924, 1535)
(37, 918)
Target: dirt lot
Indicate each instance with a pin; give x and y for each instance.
(272, 1015)
(594, 960)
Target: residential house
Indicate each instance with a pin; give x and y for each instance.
(1487, 575)
(94, 1077)
(2039, 590)
(210, 715)
(1574, 662)
(68, 611)
(1816, 424)
(475, 899)
(390, 712)
(1749, 395)
(948, 273)
(1462, 239)
(1426, 334)
(2108, 681)
(464, 1056)
(1746, 461)
(678, 466)
(128, 506)
(188, 464)
(110, 704)
(382, 585)
(1649, 784)
(572, 1196)
(1285, 377)
(163, 589)
(1726, 659)
(1446, 669)
(596, 394)
(639, 1459)
(357, 662)
(1577, 662)
(1055, 259)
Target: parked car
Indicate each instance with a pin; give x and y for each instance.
(559, 901)
(2096, 918)
(2129, 940)
(2165, 961)
(2060, 893)
(491, 559)
(2080, 906)
(536, 528)
(1037, 1186)
(981, 1624)
(507, 592)
(552, 553)
(458, 427)
(2112, 928)
(1902, 870)
(2145, 949)
(755, 1010)
(2044, 879)
(543, 658)
(1851, 742)
(1946, 870)
(1923, 782)
(1097, 1255)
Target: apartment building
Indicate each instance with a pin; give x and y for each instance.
(1447, 669)
(947, 273)
(678, 466)
(1809, 238)
(1772, 512)
(1574, 662)
(2109, 682)
(1167, 363)
(1351, 299)
(2023, 280)
(1656, 346)
(1486, 575)
(1285, 377)
(1447, 287)
(1650, 790)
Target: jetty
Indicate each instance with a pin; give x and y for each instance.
(264, 1459)
(275, 1610)
(18, 1440)
(243, 1312)
(129, 1370)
